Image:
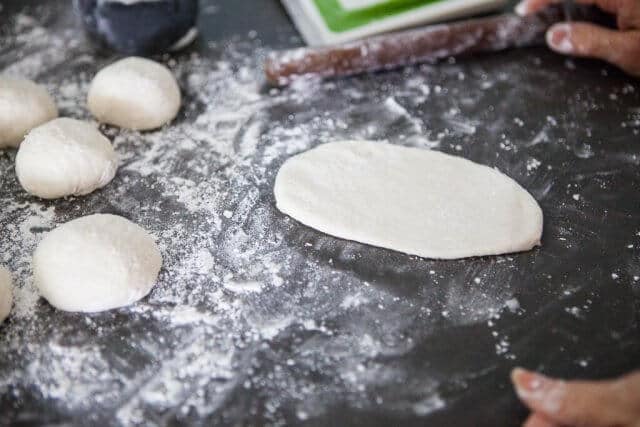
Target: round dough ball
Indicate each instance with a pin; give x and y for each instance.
(96, 263)
(65, 157)
(134, 93)
(23, 106)
(6, 294)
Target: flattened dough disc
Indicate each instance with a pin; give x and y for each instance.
(415, 201)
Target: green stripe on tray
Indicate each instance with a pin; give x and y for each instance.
(339, 19)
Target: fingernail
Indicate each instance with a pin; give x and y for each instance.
(538, 389)
(559, 38)
(527, 381)
(522, 8)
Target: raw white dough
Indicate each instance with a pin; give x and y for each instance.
(65, 157)
(95, 263)
(410, 200)
(23, 106)
(134, 93)
(6, 293)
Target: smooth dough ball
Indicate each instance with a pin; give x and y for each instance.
(23, 106)
(6, 294)
(134, 93)
(96, 263)
(65, 157)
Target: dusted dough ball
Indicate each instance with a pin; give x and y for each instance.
(134, 93)
(6, 294)
(65, 157)
(96, 263)
(23, 106)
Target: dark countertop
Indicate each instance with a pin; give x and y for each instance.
(338, 333)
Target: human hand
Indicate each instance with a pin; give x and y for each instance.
(620, 47)
(579, 403)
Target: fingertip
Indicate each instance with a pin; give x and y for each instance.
(521, 8)
(526, 382)
(559, 38)
(526, 7)
(517, 373)
(536, 420)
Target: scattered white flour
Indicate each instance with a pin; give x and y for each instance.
(533, 164)
(428, 405)
(353, 301)
(582, 363)
(513, 305)
(575, 311)
(243, 286)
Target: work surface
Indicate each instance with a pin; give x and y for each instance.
(257, 319)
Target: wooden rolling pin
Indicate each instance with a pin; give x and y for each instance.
(421, 45)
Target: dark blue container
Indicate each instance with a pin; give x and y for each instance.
(137, 27)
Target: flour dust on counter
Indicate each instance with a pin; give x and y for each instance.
(6, 293)
(255, 318)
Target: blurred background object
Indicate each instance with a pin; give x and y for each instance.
(137, 27)
(323, 22)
